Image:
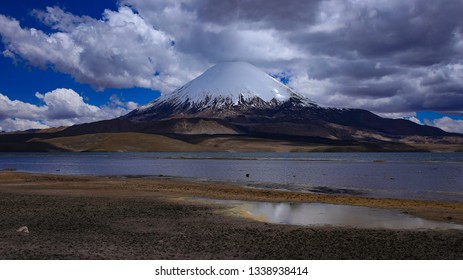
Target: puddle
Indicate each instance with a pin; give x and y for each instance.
(320, 214)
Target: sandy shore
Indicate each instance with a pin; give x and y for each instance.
(81, 217)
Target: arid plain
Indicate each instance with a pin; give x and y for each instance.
(82, 217)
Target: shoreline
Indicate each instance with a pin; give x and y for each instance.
(224, 190)
(421, 176)
(32, 197)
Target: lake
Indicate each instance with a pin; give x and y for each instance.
(323, 214)
(436, 176)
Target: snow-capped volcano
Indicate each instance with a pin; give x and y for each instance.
(236, 98)
(234, 82)
(234, 106)
(228, 85)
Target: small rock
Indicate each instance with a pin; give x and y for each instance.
(247, 175)
(23, 229)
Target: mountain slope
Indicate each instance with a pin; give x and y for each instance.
(254, 103)
(234, 106)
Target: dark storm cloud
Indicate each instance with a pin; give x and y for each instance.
(369, 89)
(445, 101)
(321, 68)
(375, 30)
(416, 28)
(277, 14)
(371, 49)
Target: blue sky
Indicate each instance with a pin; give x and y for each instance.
(67, 62)
(46, 79)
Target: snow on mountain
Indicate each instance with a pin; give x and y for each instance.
(226, 85)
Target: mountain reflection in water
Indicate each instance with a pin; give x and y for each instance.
(320, 214)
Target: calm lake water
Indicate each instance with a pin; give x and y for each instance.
(322, 214)
(436, 176)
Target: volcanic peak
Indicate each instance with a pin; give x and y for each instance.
(226, 85)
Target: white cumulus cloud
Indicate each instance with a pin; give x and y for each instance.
(119, 51)
(61, 107)
(15, 124)
(448, 124)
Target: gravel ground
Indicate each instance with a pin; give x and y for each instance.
(119, 218)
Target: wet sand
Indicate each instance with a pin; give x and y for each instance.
(81, 217)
